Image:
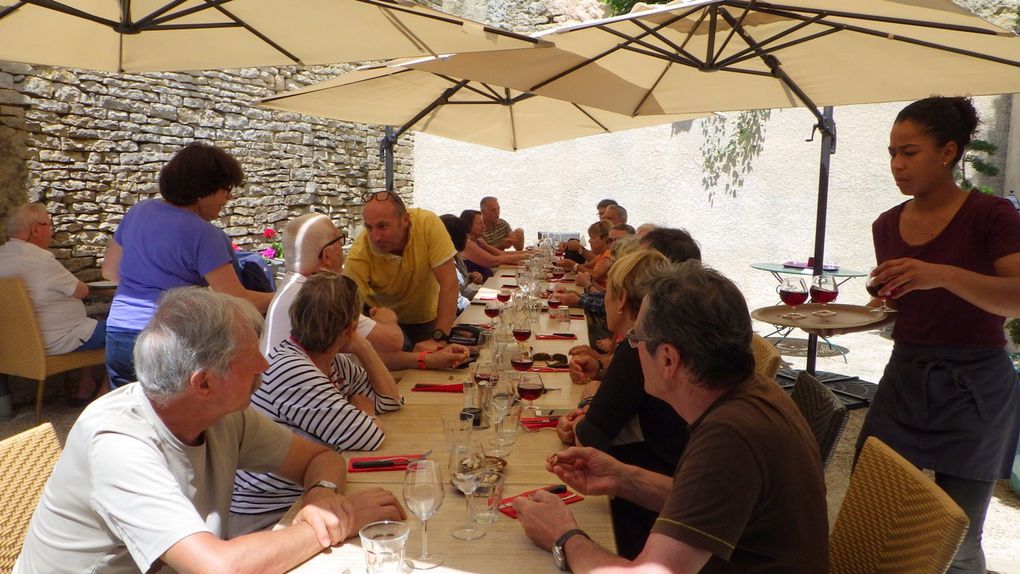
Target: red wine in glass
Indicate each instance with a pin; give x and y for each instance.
(554, 302)
(793, 298)
(521, 363)
(557, 273)
(529, 390)
(492, 312)
(823, 296)
(874, 288)
(503, 297)
(522, 334)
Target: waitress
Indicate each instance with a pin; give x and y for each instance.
(949, 259)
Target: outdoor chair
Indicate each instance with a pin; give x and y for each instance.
(824, 412)
(766, 356)
(27, 461)
(21, 347)
(894, 519)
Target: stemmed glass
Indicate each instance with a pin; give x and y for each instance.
(496, 407)
(522, 330)
(824, 290)
(493, 309)
(792, 292)
(423, 495)
(529, 388)
(873, 288)
(467, 466)
(522, 359)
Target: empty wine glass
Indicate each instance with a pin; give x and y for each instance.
(824, 291)
(874, 287)
(467, 466)
(792, 292)
(423, 495)
(496, 408)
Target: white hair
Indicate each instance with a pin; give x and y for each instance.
(22, 217)
(194, 329)
(303, 240)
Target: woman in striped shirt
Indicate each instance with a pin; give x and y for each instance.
(315, 389)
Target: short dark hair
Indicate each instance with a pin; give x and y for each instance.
(468, 216)
(198, 170)
(676, 244)
(704, 316)
(485, 200)
(457, 229)
(606, 203)
(599, 229)
(945, 120)
(624, 227)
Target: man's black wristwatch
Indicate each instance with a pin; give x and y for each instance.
(559, 556)
(440, 335)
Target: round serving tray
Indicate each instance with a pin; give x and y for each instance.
(845, 317)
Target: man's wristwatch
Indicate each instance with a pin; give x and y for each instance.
(321, 484)
(559, 556)
(440, 335)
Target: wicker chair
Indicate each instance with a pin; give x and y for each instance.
(824, 412)
(766, 356)
(21, 348)
(894, 519)
(27, 460)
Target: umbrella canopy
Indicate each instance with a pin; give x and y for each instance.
(474, 112)
(720, 55)
(179, 35)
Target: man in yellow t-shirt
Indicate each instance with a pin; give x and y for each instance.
(403, 260)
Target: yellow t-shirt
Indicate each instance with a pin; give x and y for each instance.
(404, 283)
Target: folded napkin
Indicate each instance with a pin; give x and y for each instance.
(557, 337)
(508, 286)
(451, 388)
(399, 462)
(577, 317)
(536, 423)
(549, 370)
(568, 497)
(508, 275)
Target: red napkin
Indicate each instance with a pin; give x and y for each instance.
(493, 298)
(563, 337)
(508, 275)
(577, 317)
(451, 388)
(398, 466)
(536, 423)
(549, 370)
(506, 508)
(508, 286)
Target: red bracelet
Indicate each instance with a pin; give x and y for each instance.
(421, 360)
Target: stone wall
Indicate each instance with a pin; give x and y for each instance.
(90, 145)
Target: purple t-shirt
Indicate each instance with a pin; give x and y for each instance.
(984, 229)
(164, 247)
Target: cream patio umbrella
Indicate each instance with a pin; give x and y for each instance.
(474, 112)
(183, 35)
(699, 56)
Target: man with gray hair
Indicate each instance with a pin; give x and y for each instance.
(146, 476)
(615, 214)
(498, 232)
(748, 493)
(56, 294)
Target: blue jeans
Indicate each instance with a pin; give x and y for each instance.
(98, 338)
(120, 362)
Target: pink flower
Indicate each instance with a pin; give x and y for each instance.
(236, 248)
(269, 233)
(268, 253)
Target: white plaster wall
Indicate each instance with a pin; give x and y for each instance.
(657, 176)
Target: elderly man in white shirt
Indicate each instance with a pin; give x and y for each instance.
(56, 294)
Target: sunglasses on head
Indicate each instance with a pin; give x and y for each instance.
(382, 196)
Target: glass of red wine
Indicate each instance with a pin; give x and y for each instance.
(504, 295)
(522, 331)
(793, 292)
(492, 309)
(873, 288)
(522, 360)
(554, 300)
(824, 291)
(529, 388)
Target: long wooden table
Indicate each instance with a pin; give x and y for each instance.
(417, 428)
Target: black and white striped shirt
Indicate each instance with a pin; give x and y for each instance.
(296, 394)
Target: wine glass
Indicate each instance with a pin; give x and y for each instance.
(493, 309)
(504, 295)
(529, 388)
(873, 288)
(423, 495)
(522, 359)
(483, 372)
(554, 299)
(792, 292)
(824, 290)
(522, 330)
(467, 466)
(499, 402)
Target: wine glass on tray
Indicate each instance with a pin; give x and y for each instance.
(824, 291)
(423, 495)
(793, 292)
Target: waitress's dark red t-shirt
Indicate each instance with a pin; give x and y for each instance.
(984, 229)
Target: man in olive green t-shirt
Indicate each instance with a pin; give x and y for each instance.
(748, 494)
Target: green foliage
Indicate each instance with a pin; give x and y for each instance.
(978, 156)
(618, 7)
(729, 149)
(1013, 328)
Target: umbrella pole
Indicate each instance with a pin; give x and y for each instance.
(389, 139)
(828, 129)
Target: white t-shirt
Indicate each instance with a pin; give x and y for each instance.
(61, 315)
(126, 489)
(278, 317)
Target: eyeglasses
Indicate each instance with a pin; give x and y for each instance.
(382, 196)
(337, 239)
(633, 339)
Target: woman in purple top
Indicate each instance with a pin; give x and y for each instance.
(949, 260)
(162, 244)
(480, 256)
